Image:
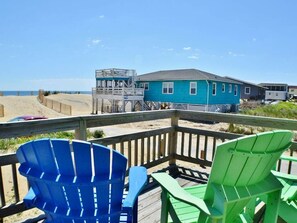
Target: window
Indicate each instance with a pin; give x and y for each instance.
(193, 88)
(235, 90)
(145, 86)
(167, 88)
(247, 90)
(214, 88)
(223, 88)
(230, 88)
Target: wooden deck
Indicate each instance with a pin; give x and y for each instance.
(149, 206)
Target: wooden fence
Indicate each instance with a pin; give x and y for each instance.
(1, 110)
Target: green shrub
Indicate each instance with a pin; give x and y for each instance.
(98, 134)
(280, 110)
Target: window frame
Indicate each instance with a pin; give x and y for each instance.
(223, 88)
(230, 88)
(167, 86)
(235, 90)
(214, 89)
(194, 87)
(245, 92)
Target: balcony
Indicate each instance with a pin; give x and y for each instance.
(184, 152)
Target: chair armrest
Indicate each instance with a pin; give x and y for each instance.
(288, 158)
(175, 190)
(30, 198)
(284, 175)
(137, 180)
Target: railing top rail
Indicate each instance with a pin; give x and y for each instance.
(280, 123)
(9, 130)
(15, 129)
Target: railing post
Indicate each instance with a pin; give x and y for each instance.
(173, 139)
(81, 131)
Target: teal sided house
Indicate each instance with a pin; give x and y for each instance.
(190, 89)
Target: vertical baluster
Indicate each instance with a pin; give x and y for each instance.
(190, 145)
(136, 152)
(290, 163)
(197, 146)
(2, 197)
(182, 143)
(214, 145)
(205, 147)
(122, 148)
(148, 145)
(15, 183)
(154, 147)
(142, 151)
(129, 153)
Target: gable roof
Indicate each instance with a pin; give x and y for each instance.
(245, 82)
(183, 74)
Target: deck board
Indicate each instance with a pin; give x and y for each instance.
(149, 206)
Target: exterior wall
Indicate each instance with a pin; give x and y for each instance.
(276, 95)
(256, 93)
(293, 90)
(181, 93)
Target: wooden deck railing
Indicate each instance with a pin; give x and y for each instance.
(148, 148)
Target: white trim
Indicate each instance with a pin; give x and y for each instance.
(230, 88)
(194, 87)
(214, 88)
(245, 88)
(167, 86)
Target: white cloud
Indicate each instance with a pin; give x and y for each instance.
(230, 53)
(96, 41)
(193, 57)
(170, 49)
(187, 48)
(101, 17)
(254, 39)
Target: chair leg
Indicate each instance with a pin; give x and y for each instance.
(165, 207)
(272, 207)
(135, 211)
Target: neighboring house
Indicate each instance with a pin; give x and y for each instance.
(292, 91)
(275, 91)
(189, 89)
(250, 91)
(116, 91)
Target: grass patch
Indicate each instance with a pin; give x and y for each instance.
(280, 110)
(12, 144)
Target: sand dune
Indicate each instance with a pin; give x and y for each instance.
(29, 105)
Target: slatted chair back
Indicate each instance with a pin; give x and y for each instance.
(245, 162)
(75, 182)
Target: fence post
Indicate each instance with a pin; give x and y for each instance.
(173, 139)
(81, 131)
(1, 110)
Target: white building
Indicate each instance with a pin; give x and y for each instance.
(274, 91)
(115, 90)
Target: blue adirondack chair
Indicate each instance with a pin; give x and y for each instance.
(79, 181)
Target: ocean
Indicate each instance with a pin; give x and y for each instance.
(28, 93)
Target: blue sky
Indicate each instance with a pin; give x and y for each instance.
(57, 45)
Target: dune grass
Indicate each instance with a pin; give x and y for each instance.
(11, 144)
(280, 110)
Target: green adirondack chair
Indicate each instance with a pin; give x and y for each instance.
(288, 204)
(240, 173)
